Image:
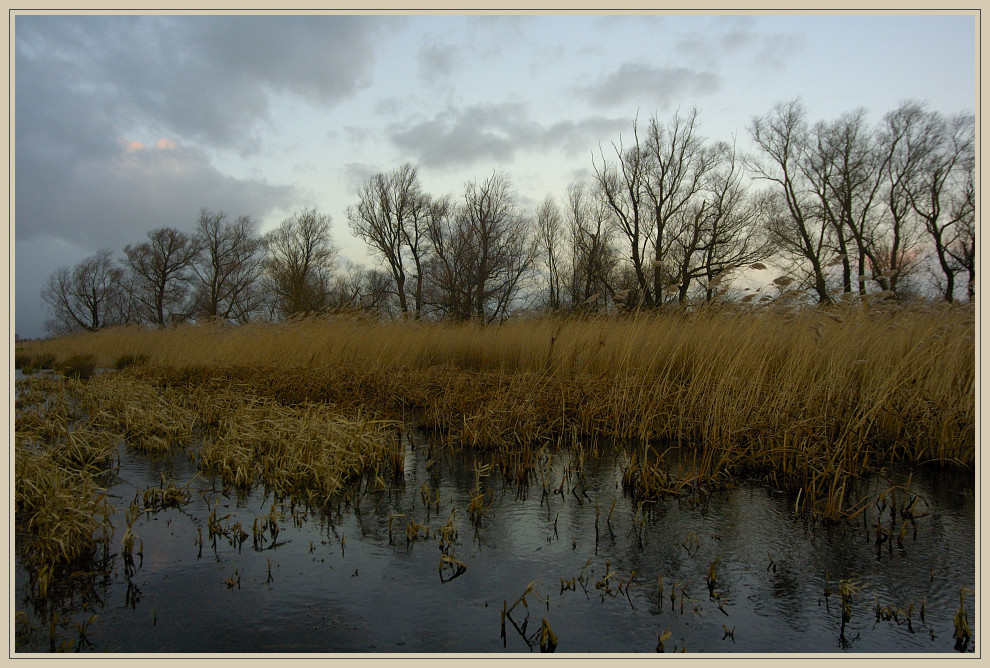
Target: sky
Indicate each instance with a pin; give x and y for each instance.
(127, 123)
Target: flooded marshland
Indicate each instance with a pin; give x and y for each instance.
(259, 488)
(453, 557)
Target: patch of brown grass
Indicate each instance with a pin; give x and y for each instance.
(804, 397)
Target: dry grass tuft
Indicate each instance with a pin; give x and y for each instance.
(59, 505)
(310, 450)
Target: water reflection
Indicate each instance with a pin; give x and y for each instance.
(732, 571)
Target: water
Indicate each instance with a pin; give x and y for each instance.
(335, 582)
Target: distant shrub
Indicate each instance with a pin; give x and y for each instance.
(40, 361)
(125, 361)
(77, 366)
(21, 359)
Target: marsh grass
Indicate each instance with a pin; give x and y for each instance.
(125, 361)
(76, 366)
(960, 622)
(309, 450)
(21, 358)
(808, 399)
(167, 495)
(68, 434)
(29, 363)
(60, 465)
(64, 511)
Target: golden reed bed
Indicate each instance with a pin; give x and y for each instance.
(803, 397)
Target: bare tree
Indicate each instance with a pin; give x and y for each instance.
(963, 212)
(227, 271)
(299, 260)
(732, 223)
(86, 297)
(594, 260)
(356, 288)
(843, 168)
(159, 270)
(945, 150)
(896, 257)
(698, 221)
(678, 166)
(801, 232)
(550, 235)
(622, 187)
(449, 284)
(481, 253)
(392, 217)
(654, 190)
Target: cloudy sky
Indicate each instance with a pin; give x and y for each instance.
(128, 123)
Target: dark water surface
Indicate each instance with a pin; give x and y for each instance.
(335, 582)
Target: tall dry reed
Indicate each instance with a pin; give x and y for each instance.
(804, 397)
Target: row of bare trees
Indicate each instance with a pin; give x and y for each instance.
(840, 207)
(876, 203)
(224, 270)
(679, 205)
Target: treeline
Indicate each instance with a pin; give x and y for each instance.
(670, 217)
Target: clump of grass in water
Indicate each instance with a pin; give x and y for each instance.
(542, 636)
(64, 511)
(960, 622)
(29, 363)
(148, 418)
(77, 366)
(21, 359)
(710, 578)
(848, 588)
(309, 450)
(579, 579)
(60, 506)
(166, 496)
(548, 639)
(127, 542)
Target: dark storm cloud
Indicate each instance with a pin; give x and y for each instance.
(494, 34)
(106, 198)
(66, 212)
(355, 174)
(458, 137)
(738, 39)
(206, 78)
(86, 86)
(777, 50)
(642, 83)
(624, 22)
(495, 132)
